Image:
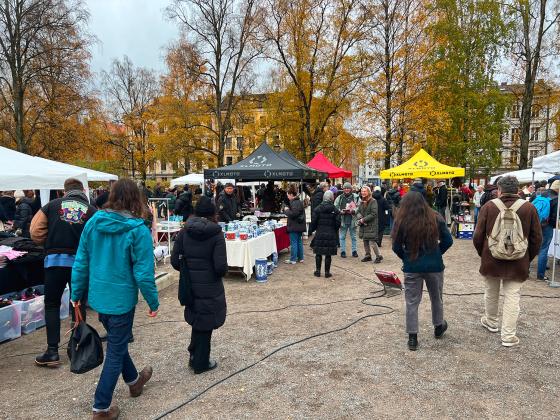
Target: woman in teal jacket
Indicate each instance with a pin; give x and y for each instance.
(114, 260)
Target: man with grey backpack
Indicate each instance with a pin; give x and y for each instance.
(508, 237)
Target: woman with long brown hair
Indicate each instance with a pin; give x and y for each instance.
(420, 238)
(114, 260)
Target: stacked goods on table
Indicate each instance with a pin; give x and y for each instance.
(23, 312)
(244, 230)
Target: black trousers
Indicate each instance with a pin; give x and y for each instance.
(319, 260)
(56, 279)
(199, 348)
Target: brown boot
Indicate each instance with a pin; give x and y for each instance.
(143, 377)
(112, 414)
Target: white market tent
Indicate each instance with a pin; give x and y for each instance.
(550, 164)
(19, 171)
(92, 175)
(524, 175)
(190, 179)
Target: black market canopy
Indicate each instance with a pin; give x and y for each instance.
(264, 164)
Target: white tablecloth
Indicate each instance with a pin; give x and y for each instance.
(244, 253)
(551, 247)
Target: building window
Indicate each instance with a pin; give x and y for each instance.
(513, 157)
(229, 160)
(532, 155)
(514, 112)
(515, 135)
(228, 143)
(239, 143)
(535, 111)
(535, 134)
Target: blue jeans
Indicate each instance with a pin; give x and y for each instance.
(343, 230)
(476, 211)
(547, 233)
(296, 246)
(117, 359)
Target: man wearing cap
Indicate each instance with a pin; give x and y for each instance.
(548, 227)
(227, 205)
(347, 203)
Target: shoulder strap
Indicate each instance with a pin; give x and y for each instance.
(517, 205)
(499, 203)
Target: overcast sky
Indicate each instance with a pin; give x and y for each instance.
(136, 28)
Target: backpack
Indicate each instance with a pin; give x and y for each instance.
(506, 241)
(542, 204)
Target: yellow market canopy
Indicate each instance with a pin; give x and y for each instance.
(422, 165)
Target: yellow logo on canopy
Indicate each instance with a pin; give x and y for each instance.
(422, 165)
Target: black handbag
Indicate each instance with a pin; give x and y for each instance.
(85, 349)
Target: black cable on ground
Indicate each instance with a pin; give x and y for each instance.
(364, 301)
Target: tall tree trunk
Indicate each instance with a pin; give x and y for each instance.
(19, 121)
(527, 102)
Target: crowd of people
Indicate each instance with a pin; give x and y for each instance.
(105, 254)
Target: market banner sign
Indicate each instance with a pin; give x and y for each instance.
(422, 165)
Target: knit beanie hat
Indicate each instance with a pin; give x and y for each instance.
(377, 188)
(555, 185)
(347, 185)
(328, 196)
(204, 207)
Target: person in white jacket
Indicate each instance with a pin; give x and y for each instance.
(476, 199)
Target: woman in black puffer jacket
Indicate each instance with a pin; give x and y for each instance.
(200, 255)
(326, 223)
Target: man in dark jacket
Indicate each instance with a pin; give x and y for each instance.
(548, 229)
(490, 192)
(8, 203)
(227, 205)
(183, 204)
(383, 211)
(394, 196)
(200, 256)
(511, 273)
(58, 226)
(296, 225)
(316, 197)
(441, 199)
(23, 216)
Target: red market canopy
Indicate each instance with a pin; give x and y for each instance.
(321, 163)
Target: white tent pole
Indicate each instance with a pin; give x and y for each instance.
(556, 244)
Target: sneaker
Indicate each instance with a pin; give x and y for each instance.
(511, 343)
(48, 358)
(412, 342)
(355, 254)
(440, 330)
(317, 273)
(143, 377)
(343, 254)
(543, 278)
(485, 324)
(211, 365)
(301, 261)
(290, 262)
(366, 258)
(112, 414)
(378, 259)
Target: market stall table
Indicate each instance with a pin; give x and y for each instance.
(243, 254)
(282, 238)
